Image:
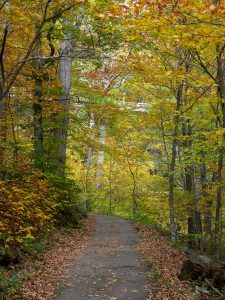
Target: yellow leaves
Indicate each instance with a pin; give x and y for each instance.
(26, 206)
(29, 236)
(130, 38)
(168, 73)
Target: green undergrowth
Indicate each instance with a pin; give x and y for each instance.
(10, 281)
(182, 240)
(142, 219)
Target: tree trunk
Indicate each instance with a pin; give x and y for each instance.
(173, 227)
(110, 184)
(4, 98)
(218, 225)
(135, 205)
(38, 133)
(3, 133)
(101, 157)
(61, 129)
(194, 220)
(88, 165)
(221, 93)
(37, 109)
(164, 139)
(208, 206)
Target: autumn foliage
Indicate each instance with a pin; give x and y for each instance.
(120, 103)
(30, 206)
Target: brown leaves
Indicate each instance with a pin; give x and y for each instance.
(166, 263)
(48, 270)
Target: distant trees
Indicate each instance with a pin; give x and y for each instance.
(176, 65)
(185, 74)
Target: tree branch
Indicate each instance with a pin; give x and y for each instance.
(3, 4)
(196, 100)
(2, 51)
(19, 66)
(203, 65)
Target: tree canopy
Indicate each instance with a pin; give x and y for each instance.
(115, 107)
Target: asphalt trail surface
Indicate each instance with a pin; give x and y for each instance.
(110, 268)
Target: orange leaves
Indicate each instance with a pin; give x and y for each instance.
(166, 263)
(25, 207)
(63, 248)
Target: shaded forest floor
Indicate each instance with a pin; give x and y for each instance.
(43, 273)
(165, 262)
(112, 245)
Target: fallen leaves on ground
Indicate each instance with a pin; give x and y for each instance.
(165, 262)
(42, 282)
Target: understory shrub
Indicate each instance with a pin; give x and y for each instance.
(30, 206)
(27, 206)
(68, 209)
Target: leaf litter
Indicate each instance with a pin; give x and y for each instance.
(42, 281)
(165, 263)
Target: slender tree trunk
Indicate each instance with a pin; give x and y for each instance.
(3, 133)
(61, 129)
(164, 140)
(194, 220)
(134, 187)
(110, 184)
(38, 133)
(88, 165)
(218, 225)
(101, 158)
(221, 93)
(208, 205)
(134, 191)
(205, 194)
(4, 99)
(134, 197)
(173, 227)
(37, 109)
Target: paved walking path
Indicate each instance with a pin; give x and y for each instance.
(110, 267)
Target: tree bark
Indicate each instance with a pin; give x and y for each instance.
(101, 158)
(4, 98)
(88, 166)
(194, 220)
(3, 133)
(173, 227)
(61, 129)
(37, 109)
(221, 93)
(208, 202)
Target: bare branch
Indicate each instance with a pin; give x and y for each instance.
(3, 4)
(46, 9)
(19, 66)
(5, 33)
(199, 60)
(196, 100)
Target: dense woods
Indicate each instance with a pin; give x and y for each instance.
(115, 107)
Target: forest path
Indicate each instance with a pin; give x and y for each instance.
(110, 267)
